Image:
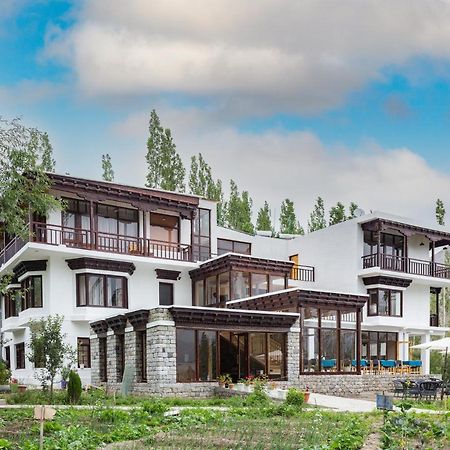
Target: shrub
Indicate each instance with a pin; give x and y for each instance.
(258, 397)
(295, 398)
(74, 388)
(5, 373)
(5, 444)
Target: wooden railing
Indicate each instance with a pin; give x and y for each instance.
(406, 265)
(302, 273)
(96, 240)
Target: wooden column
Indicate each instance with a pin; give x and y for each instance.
(93, 242)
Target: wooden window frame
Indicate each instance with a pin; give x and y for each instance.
(20, 351)
(171, 293)
(84, 342)
(29, 291)
(105, 290)
(196, 246)
(377, 290)
(233, 243)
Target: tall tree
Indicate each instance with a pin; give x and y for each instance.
(48, 349)
(24, 184)
(264, 220)
(239, 210)
(440, 212)
(337, 214)
(108, 172)
(288, 220)
(317, 219)
(48, 163)
(352, 210)
(165, 168)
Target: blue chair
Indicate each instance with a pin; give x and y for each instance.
(388, 364)
(328, 364)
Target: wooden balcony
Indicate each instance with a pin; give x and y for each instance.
(302, 273)
(406, 265)
(95, 240)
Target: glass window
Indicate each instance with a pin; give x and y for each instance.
(84, 352)
(311, 317)
(395, 303)
(257, 353)
(224, 287)
(242, 247)
(259, 284)
(20, 356)
(81, 290)
(241, 285)
(201, 243)
(164, 228)
(329, 341)
(276, 356)
(102, 290)
(310, 349)
(207, 355)
(166, 294)
(384, 302)
(211, 290)
(95, 290)
(199, 293)
(185, 355)
(370, 243)
(32, 292)
(348, 349)
(276, 283)
(227, 246)
(372, 308)
(115, 297)
(328, 318)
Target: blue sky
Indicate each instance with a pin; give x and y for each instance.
(330, 100)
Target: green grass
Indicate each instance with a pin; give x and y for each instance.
(437, 405)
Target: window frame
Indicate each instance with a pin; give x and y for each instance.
(233, 245)
(164, 284)
(105, 290)
(20, 350)
(389, 303)
(84, 343)
(197, 237)
(177, 228)
(27, 285)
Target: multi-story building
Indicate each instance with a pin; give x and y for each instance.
(146, 280)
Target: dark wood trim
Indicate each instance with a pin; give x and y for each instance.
(105, 290)
(99, 326)
(166, 274)
(138, 319)
(24, 267)
(233, 242)
(101, 264)
(369, 314)
(117, 323)
(387, 281)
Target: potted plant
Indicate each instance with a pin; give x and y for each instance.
(306, 394)
(5, 375)
(229, 382)
(222, 380)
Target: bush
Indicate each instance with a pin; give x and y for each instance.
(74, 388)
(295, 398)
(258, 397)
(5, 373)
(5, 444)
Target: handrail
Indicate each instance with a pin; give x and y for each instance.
(404, 264)
(301, 272)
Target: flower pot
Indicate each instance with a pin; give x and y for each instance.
(221, 384)
(230, 385)
(21, 388)
(306, 394)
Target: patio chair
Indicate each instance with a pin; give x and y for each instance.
(415, 366)
(328, 364)
(387, 365)
(411, 389)
(429, 389)
(399, 388)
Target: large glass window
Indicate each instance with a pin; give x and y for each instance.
(76, 217)
(199, 293)
(207, 355)
(370, 243)
(257, 354)
(384, 302)
(259, 284)
(310, 349)
(224, 287)
(166, 294)
(201, 244)
(102, 290)
(348, 349)
(164, 228)
(185, 355)
(276, 355)
(12, 303)
(276, 283)
(32, 292)
(229, 246)
(211, 290)
(241, 285)
(84, 352)
(20, 356)
(329, 345)
(378, 345)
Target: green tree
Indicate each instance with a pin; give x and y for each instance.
(108, 172)
(239, 210)
(337, 214)
(24, 184)
(264, 221)
(165, 168)
(288, 220)
(74, 388)
(48, 163)
(440, 212)
(352, 210)
(48, 350)
(317, 217)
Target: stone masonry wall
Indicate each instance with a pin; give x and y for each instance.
(95, 360)
(292, 358)
(131, 352)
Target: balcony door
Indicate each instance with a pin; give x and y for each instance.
(76, 223)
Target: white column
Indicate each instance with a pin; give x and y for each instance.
(403, 350)
(425, 355)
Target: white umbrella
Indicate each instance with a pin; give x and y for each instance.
(440, 344)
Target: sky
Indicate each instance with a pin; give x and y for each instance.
(346, 99)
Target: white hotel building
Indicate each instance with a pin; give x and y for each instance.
(145, 278)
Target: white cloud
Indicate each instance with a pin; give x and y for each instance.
(261, 56)
(277, 164)
(27, 92)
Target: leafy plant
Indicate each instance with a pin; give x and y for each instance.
(258, 397)
(5, 373)
(74, 388)
(295, 398)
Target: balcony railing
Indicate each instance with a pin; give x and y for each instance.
(96, 240)
(406, 265)
(302, 273)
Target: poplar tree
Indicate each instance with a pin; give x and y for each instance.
(352, 210)
(317, 217)
(337, 214)
(440, 212)
(288, 220)
(165, 168)
(108, 172)
(48, 163)
(264, 221)
(239, 210)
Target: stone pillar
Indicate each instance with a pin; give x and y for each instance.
(425, 355)
(131, 351)
(293, 353)
(161, 349)
(113, 364)
(95, 360)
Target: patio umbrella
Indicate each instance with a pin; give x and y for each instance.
(442, 345)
